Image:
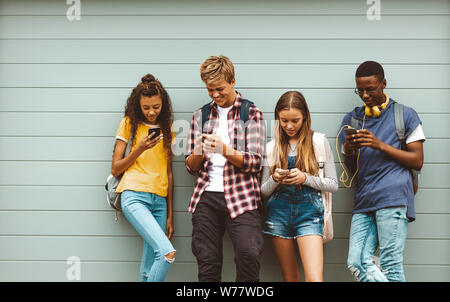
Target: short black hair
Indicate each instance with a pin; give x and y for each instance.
(370, 68)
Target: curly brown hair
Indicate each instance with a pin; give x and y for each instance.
(150, 86)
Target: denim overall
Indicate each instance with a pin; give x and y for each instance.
(293, 212)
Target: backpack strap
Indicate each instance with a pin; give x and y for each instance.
(354, 123)
(319, 151)
(400, 124)
(245, 108)
(244, 115)
(206, 109)
(321, 157)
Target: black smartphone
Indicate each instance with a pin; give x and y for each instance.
(151, 132)
(350, 131)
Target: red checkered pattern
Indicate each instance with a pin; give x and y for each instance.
(241, 186)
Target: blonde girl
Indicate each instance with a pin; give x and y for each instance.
(292, 186)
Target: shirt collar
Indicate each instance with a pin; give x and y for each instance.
(237, 101)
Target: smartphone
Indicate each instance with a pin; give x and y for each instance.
(283, 172)
(350, 131)
(152, 131)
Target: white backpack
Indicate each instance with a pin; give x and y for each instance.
(321, 157)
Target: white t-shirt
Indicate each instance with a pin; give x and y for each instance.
(215, 171)
(416, 135)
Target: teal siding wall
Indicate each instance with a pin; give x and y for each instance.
(63, 86)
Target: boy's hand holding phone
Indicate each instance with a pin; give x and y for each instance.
(212, 143)
(350, 145)
(365, 138)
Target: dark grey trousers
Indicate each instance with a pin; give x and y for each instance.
(210, 220)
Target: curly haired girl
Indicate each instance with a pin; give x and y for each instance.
(147, 181)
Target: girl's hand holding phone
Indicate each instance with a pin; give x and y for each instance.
(280, 174)
(295, 177)
(149, 142)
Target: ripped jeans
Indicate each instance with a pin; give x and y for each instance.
(385, 228)
(147, 212)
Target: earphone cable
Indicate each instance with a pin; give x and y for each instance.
(344, 175)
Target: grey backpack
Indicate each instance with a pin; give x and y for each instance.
(112, 182)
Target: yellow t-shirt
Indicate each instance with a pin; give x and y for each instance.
(149, 172)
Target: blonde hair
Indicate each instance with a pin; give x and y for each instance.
(306, 160)
(215, 68)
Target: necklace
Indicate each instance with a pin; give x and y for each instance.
(293, 148)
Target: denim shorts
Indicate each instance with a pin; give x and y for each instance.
(290, 218)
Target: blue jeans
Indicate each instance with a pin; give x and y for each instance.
(385, 228)
(147, 213)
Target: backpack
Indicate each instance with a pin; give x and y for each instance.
(400, 129)
(112, 197)
(321, 157)
(244, 115)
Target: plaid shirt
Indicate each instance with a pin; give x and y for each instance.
(241, 185)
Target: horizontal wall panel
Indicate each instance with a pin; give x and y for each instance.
(433, 252)
(234, 7)
(71, 173)
(422, 273)
(427, 201)
(59, 248)
(241, 27)
(71, 198)
(240, 52)
(427, 226)
(77, 223)
(53, 271)
(101, 149)
(95, 174)
(93, 198)
(105, 124)
(187, 75)
(188, 100)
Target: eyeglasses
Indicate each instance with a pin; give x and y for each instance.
(360, 92)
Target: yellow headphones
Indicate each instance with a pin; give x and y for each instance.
(376, 110)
